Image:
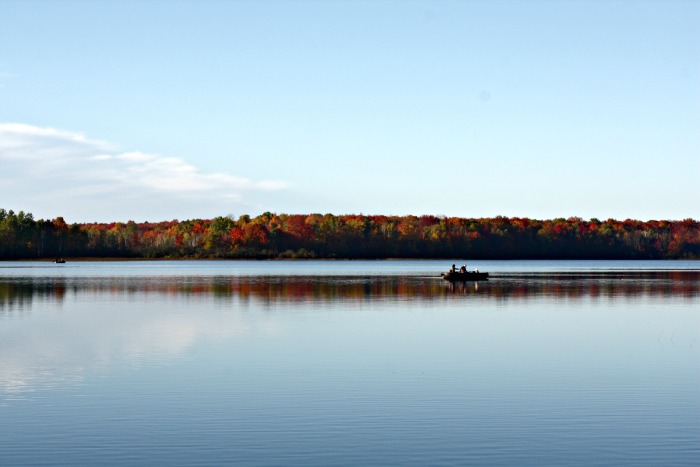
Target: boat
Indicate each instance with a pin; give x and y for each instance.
(59, 261)
(465, 276)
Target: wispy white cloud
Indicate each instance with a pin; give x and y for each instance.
(82, 179)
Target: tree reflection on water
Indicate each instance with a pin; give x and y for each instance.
(21, 292)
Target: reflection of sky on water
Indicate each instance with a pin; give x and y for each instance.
(429, 268)
(259, 368)
(54, 328)
(49, 337)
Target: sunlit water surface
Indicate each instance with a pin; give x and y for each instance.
(347, 363)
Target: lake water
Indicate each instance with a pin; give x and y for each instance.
(349, 363)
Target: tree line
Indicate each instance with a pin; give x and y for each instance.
(270, 236)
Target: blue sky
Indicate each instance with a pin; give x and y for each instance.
(155, 110)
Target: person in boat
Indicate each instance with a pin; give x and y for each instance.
(452, 269)
(463, 269)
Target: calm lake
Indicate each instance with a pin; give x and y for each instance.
(349, 363)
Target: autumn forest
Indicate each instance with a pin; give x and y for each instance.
(277, 236)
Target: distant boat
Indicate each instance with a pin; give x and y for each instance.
(465, 276)
(59, 260)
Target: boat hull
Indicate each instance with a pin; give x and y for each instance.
(465, 276)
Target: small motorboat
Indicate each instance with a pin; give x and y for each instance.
(59, 260)
(465, 276)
